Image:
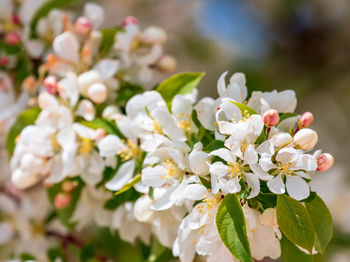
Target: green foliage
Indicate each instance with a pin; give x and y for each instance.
(43, 11)
(26, 257)
(231, 226)
(295, 222)
(213, 145)
(107, 42)
(159, 253)
(56, 254)
(126, 91)
(107, 125)
(130, 195)
(245, 109)
(322, 222)
(290, 253)
(284, 116)
(65, 214)
(24, 119)
(182, 83)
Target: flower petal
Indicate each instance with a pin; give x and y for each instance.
(123, 176)
(297, 188)
(276, 185)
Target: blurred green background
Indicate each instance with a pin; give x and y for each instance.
(285, 44)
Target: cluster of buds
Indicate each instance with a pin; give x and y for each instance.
(63, 198)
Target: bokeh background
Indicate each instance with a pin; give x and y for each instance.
(303, 45)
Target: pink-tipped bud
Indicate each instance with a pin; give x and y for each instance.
(325, 161)
(100, 133)
(98, 93)
(305, 139)
(62, 200)
(15, 19)
(130, 20)
(166, 64)
(4, 60)
(13, 38)
(50, 84)
(68, 186)
(83, 25)
(305, 120)
(29, 84)
(271, 117)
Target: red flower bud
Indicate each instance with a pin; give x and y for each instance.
(130, 20)
(325, 161)
(271, 117)
(305, 120)
(62, 200)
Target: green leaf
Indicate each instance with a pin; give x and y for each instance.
(129, 185)
(127, 91)
(113, 203)
(290, 253)
(105, 124)
(231, 226)
(108, 35)
(159, 253)
(295, 222)
(213, 145)
(267, 199)
(182, 83)
(56, 254)
(287, 115)
(43, 11)
(27, 257)
(87, 253)
(24, 119)
(246, 110)
(322, 221)
(65, 214)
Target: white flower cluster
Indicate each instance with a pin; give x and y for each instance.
(173, 159)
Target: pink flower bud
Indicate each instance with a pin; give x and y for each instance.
(130, 20)
(271, 118)
(68, 186)
(29, 84)
(305, 120)
(15, 19)
(325, 161)
(83, 25)
(166, 64)
(305, 139)
(62, 200)
(100, 133)
(98, 93)
(4, 60)
(50, 84)
(153, 35)
(13, 38)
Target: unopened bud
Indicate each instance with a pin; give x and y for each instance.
(269, 218)
(29, 84)
(166, 64)
(50, 84)
(100, 133)
(130, 20)
(153, 35)
(271, 118)
(4, 60)
(98, 93)
(281, 139)
(305, 120)
(83, 25)
(87, 79)
(15, 19)
(62, 200)
(13, 38)
(305, 139)
(68, 186)
(325, 161)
